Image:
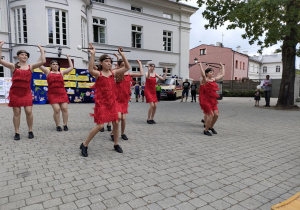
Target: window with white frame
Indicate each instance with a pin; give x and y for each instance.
(83, 32)
(202, 51)
(1, 71)
(166, 15)
(20, 25)
(57, 27)
(99, 30)
(99, 1)
(277, 68)
(136, 9)
(169, 71)
(167, 40)
(136, 36)
(265, 69)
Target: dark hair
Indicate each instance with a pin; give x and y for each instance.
(23, 51)
(102, 58)
(55, 61)
(17, 66)
(120, 61)
(150, 64)
(208, 70)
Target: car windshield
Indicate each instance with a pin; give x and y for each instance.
(168, 82)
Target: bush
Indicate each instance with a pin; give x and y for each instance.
(248, 93)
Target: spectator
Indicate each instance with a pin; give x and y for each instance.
(267, 83)
(186, 86)
(158, 91)
(193, 91)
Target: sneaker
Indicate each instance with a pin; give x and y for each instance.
(112, 137)
(66, 128)
(83, 150)
(118, 148)
(149, 122)
(58, 128)
(30, 135)
(207, 133)
(124, 137)
(17, 137)
(213, 130)
(108, 127)
(102, 130)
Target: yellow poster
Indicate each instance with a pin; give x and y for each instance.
(70, 84)
(85, 84)
(39, 82)
(77, 78)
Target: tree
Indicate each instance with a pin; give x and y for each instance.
(266, 22)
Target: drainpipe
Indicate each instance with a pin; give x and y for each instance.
(9, 30)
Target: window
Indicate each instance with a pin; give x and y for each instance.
(137, 79)
(136, 70)
(264, 69)
(236, 64)
(20, 25)
(202, 51)
(243, 65)
(277, 68)
(169, 71)
(83, 32)
(57, 27)
(136, 36)
(240, 64)
(99, 29)
(167, 40)
(1, 71)
(169, 16)
(136, 9)
(99, 1)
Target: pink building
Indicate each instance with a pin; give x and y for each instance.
(236, 63)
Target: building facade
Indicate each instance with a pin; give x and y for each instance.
(156, 30)
(236, 63)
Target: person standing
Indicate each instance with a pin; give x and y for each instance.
(158, 91)
(137, 91)
(143, 91)
(186, 86)
(267, 84)
(57, 95)
(150, 91)
(20, 91)
(193, 91)
(257, 97)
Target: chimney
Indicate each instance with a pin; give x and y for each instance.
(219, 44)
(238, 48)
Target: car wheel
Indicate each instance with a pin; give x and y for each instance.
(174, 96)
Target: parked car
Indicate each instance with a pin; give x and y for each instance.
(171, 88)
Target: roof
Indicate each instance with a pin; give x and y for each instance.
(274, 58)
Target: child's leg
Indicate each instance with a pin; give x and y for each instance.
(116, 132)
(92, 133)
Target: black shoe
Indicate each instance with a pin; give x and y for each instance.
(213, 130)
(83, 150)
(118, 148)
(191, 101)
(17, 137)
(112, 137)
(30, 135)
(124, 137)
(153, 122)
(202, 121)
(149, 122)
(207, 133)
(58, 128)
(66, 128)
(108, 128)
(102, 130)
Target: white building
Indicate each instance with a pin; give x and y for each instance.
(156, 30)
(262, 65)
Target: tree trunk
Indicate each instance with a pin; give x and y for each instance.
(286, 92)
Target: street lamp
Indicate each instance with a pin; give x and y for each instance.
(59, 51)
(196, 60)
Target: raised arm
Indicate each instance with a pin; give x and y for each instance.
(67, 71)
(41, 60)
(92, 71)
(203, 81)
(222, 73)
(9, 65)
(165, 75)
(126, 66)
(141, 70)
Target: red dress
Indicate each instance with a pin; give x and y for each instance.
(123, 93)
(56, 89)
(150, 90)
(20, 91)
(208, 97)
(105, 100)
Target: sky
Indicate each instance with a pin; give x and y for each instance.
(230, 38)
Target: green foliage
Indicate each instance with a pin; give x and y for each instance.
(249, 93)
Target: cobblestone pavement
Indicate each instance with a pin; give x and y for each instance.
(252, 163)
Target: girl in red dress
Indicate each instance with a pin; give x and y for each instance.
(208, 97)
(150, 91)
(105, 96)
(57, 94)
(20, 91)
(123, 83)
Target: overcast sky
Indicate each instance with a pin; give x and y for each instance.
(231, 38)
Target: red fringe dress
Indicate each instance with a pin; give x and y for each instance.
(123, 93)
(208, 97)
(20, 91)
(56, 89)
(150, 90)
(105, 100)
